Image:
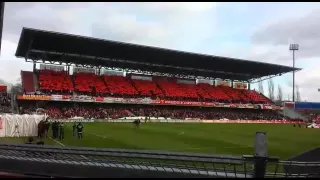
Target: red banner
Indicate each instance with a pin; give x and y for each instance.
(99, 99)
(66, 97)
(183, 103)
(254, 121)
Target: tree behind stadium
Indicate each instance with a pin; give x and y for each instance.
(271, 90)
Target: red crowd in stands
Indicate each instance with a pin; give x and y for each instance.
(60, 82)
(102, 111)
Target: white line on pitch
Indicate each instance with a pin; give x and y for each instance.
(191, 148)
(57, 142)
(104, 137)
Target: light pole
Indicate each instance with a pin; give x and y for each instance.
(293, 48)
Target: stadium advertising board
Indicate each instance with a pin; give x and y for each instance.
(34, 97)
(127, 100)
(82, 98)
(253, 121)
(154, 121)
(182, 103)
(129, 120)
(240, 85)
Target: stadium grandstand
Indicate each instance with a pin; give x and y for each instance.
(206, 102)
(82, 69)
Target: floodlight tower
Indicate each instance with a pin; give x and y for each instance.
(293, 48)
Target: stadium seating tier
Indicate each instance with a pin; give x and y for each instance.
(90, 83)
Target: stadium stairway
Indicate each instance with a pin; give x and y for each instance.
(266, 98)
(35, 80)
(291, 113)
(160, 88)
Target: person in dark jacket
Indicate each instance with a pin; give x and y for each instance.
(74, 128)
(137, 122)
(58, 130)
(54, 129)
(61, 131)
(80, 130)
(41, 128)
(47, 127)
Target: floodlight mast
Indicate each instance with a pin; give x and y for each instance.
(293, 48)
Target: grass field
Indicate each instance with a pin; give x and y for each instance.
(284, 141)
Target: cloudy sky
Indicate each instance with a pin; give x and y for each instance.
(253, 31)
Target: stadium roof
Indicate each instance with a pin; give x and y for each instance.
(66, 48)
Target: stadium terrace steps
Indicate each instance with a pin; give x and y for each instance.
(28, 83)
(36, 82)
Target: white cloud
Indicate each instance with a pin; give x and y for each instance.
(271, 44)
(156, 24)
(10, 66)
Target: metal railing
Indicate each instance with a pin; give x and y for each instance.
(53, 161)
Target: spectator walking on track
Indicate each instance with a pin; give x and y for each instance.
(47, 126)
(74, 127)
(80, 130)
(61, 131)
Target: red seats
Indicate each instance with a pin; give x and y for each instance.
(235, 94)
(119, 85)
(215, 93)
(173, 89)
(86, 82)
(147, 88)
(60, 81)
(191, 90)
(255, 96)
(50, 80)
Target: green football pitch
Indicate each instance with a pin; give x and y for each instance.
(284, 141)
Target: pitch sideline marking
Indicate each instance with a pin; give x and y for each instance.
(192, 148)
(104, 137)
(57, 142)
